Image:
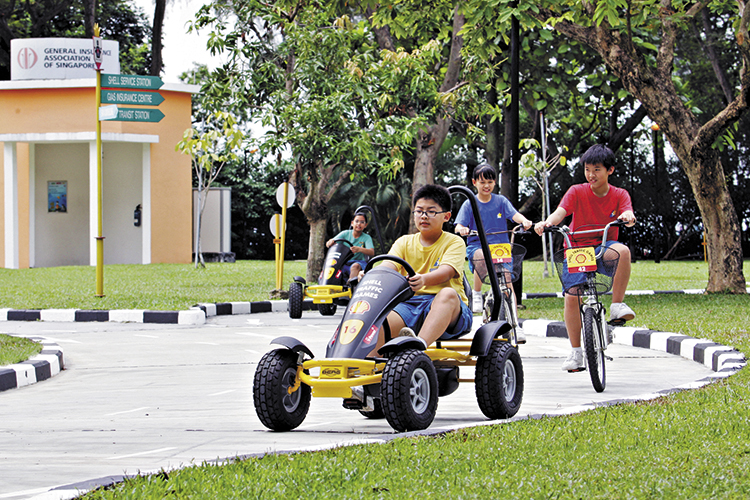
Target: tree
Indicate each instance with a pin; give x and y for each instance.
(71, 18)
(210, 148)
(637, 43)
(297, 68)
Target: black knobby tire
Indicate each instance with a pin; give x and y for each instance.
(498, 381)
(327, 309)
(276, 408)
(296, 294)
(594, 351)
(409, 391)
(376, 413)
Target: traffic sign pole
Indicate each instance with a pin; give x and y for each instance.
(99, 237)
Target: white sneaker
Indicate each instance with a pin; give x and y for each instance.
(408, 332)
(520, 336)
(620, 310)
(477, 302)
(574, 363)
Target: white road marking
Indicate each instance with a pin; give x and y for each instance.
(142, 453)
(222, 392)
(127, 411)
(145, 336)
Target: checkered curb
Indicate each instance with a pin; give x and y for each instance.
(44, 365)
(695, 291)
(723, 360)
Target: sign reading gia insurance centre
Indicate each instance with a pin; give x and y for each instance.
(59, 58)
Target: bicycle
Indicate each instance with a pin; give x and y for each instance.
(507, 260)
(598, 270)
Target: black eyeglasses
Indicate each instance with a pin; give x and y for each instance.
(430, 213)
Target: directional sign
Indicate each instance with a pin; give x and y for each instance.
(138, 82)
(131, 97)
(138, 115)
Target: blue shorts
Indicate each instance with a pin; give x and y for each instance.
(414, 311)
(348, 266)
(570, 280)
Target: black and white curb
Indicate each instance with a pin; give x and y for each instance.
(44, 365)
(695, 291)
(193, 316)
(722, 360)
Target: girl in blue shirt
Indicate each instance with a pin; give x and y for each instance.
(495, 210)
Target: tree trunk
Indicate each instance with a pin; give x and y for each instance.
(160, 7)
(691, 141)
(317, 253)
(89, 17)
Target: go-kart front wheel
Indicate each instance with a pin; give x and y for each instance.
(327, 309)
(499, 381)
(276, 408)
(296, 294)
(409, 391)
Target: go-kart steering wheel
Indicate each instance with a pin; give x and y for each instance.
(397, 260)
(342, 240)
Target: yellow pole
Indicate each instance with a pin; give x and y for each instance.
(99, 237)
(277, 242)
(283, 233)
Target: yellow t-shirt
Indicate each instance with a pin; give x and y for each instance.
(449, 249)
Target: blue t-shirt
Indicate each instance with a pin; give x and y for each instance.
(364, 241)
(495, 214)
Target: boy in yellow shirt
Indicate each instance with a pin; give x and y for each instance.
(439, 308)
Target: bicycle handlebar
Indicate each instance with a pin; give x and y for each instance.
(516, 230)
(567, 233)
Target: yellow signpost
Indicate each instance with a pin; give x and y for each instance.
(99, 237)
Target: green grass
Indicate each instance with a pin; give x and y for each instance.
(169, 287)
(692, 444)
(159, 287)
(17, 349)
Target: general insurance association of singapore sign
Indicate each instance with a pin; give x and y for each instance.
(59, 58)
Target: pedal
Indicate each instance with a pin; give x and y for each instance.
(581, 369)
(608, 358)
(617, 322)
(353, 404)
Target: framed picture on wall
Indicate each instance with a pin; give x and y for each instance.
(57, 196)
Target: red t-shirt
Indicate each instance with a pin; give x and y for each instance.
(590, 210)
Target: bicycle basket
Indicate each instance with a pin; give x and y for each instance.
(517, 253)
(599, 281)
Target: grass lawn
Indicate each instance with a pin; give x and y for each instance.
(692, 444)
(17, 349)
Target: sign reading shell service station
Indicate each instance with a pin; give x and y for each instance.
(59, 58)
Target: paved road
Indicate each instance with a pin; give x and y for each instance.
(140, 397)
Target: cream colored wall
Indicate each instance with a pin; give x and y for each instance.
(70, 110)
(122, 188)
(62, 238)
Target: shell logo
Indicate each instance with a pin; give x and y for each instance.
(359, 307)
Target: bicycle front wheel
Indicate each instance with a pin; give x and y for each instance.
(592, 335)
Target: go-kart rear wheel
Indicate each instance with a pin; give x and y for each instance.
(499, 381)
(276, 408)
(376, 413)
(327, 309)
(296, 294)
(409, 391)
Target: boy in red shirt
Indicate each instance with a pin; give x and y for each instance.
(595, 203)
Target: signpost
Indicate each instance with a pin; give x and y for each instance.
(136, 89)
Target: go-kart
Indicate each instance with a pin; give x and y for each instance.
(403, 382)
(334, 287)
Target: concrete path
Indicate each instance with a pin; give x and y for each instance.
(141, 397)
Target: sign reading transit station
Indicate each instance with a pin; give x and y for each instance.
(130, 114)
